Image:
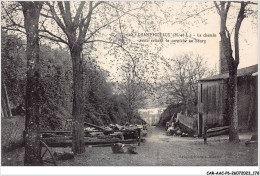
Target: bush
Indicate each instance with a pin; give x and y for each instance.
(102, 107)
(168, 112)
(12, 132)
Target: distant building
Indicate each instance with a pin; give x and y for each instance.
(213, 99)
(151, 115)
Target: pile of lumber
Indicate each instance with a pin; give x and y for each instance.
(217, 131)
(95, 135)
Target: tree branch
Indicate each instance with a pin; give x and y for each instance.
(125, 13)
(56, 18)
(85, 26)
(13, 29)
(240, 18)
(217, 7)
(64, 15)
(46, 16)
(79, 11)
(190, 16)
(10, 18)
(68, 12)
(53, 35)
(248, 2)
(51, 38)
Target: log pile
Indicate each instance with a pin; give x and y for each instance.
(95, 135)
(217, 131)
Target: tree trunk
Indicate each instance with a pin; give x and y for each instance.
(232, 85)
(226, 48)
(78, 145)
(31, 11)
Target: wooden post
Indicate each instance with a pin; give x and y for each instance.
(5, 107)
(205, 134)
(139, 136)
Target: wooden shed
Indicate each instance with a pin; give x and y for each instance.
(213, 100)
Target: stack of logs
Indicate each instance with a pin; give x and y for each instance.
(95, 135)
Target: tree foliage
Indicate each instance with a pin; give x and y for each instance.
(102, 105)
(13, 67)
(179, 84)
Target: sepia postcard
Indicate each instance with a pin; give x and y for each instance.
(129, 83)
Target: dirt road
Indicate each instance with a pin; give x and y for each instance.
(162, 150)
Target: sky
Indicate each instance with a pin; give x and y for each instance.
(205, 35)
(197, 19)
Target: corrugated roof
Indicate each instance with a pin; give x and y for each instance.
(240, 72)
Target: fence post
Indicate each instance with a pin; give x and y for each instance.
(205, 134)
(139, 136)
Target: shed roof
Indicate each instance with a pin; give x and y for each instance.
(240, 72)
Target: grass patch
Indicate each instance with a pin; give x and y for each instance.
(12, 132)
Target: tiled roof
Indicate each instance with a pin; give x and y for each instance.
(240, 72)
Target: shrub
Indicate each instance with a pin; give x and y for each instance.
(12, 132)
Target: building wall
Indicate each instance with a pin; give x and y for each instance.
(213, 103)
(151, 115)
(247, 102)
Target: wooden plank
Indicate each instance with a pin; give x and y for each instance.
(108, 145)
(68, 143)
(7, 109)
(205, 106)
(217, 133)
(214, 112)
(212, 105)
(217, 129)
(64, 132)
(209, 107)
(3, 103)
(60, 132)
(2, 111)
(95, 126)
(220, 104)
(113, 131)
